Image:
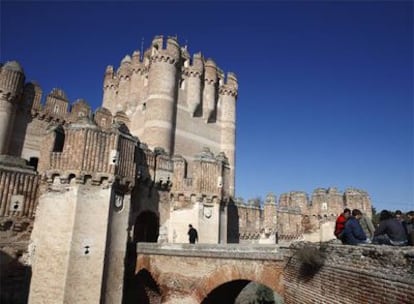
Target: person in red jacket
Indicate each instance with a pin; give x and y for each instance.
(340, 223)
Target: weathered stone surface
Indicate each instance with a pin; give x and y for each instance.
(345, 274)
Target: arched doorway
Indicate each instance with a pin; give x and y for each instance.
(146, 227)
(243, 292)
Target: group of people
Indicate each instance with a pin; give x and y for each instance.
(355, 228)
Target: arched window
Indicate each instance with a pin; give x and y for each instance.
(146, 228)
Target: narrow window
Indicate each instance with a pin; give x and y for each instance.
(33, 161)
(59, 141)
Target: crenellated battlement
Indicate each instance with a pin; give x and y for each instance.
(125, 69)
(82, 150)
(295, 214)
(231, 80)
(227, 90)
(165, 50)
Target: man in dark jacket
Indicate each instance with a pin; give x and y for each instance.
(390, 231)
(353, 233)
(192, 234)
(409, 227)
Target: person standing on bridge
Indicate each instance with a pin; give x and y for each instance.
(192, 234)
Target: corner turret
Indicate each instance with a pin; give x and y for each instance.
(11, 89)
(193, 73)
(110, 87)
(227, 97)
(210, 87)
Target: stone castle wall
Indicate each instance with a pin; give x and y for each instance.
(295, 214)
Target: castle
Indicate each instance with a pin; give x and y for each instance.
(159, 154)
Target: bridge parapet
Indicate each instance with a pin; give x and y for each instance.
(218, 251)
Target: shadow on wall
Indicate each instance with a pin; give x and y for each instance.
(226, 293)
(232, 223)
(142, 288)
(146, 227)
(14, 280)
(310, 260)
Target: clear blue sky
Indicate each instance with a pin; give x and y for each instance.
(326, 88)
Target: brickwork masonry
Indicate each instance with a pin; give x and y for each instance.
(350, 274)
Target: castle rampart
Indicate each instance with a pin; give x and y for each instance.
(294, 215)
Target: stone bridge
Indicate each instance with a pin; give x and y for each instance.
(189, 273)
(301, 273)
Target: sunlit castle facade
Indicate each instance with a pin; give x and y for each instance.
(159, 154)
(78, 189)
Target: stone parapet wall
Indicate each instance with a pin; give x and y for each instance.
(349, 274)
(218, 251)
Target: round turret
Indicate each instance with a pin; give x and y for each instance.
(11, 91)
(209, 93)
(210, 68)
(173, 48)
(162, 90)
(232, 80)
(198, 61)
(110, 86)
(193, 73)
(125, 67)
(136, 59)
(227, 97)
(11, 80)
(13, 66)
